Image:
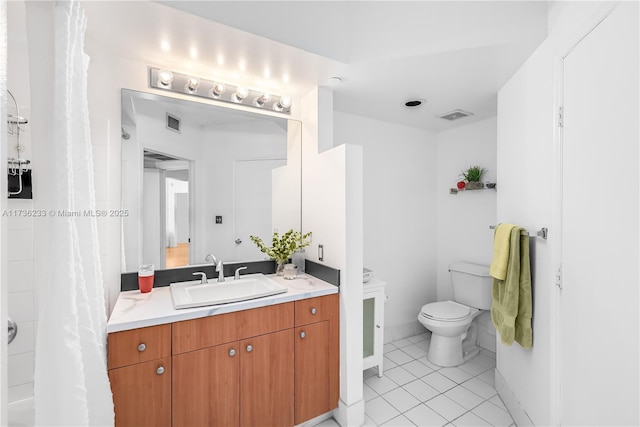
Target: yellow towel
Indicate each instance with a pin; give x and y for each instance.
(501, 238)
(511, 308)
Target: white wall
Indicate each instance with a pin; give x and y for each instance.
(332, 208)
(399, 219)
(463, 219)
(527, 195)
(107, 75)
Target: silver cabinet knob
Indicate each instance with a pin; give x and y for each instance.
(142, 347)
(249, 348)
(232, 352)
(314, 311)
(160, 370)
(303, 335)
(12, 330)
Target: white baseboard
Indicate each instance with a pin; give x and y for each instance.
(350, 415)
(405, 330)
(512, 403)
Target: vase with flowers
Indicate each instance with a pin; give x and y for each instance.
(282, 246)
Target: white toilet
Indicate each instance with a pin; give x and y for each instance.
(453, 335)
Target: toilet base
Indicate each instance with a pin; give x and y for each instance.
(450, 351)
(445, 351)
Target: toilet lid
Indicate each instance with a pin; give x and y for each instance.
(445, 310)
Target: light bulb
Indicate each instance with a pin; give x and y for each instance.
(165, 77)
(217, 90)
(192, 85)
(284, 102)
(241, 93)
(262, 99)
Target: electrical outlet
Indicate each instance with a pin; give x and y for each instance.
(320, 253)
(218, 219)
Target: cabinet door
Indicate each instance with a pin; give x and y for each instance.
(312, 371)
(142, 393)
(205, 387)
(266, 380)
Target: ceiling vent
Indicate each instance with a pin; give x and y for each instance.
(173, 123)
(455, 115)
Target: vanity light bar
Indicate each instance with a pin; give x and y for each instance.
(195, 86)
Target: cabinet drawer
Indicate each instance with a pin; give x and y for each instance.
(196, 334)
(138, 345)
(316, 309)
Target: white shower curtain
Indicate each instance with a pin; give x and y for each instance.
(71, 386)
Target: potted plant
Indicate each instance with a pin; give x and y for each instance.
(472, 177)
(282, 247)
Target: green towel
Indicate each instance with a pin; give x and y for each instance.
(501, 247)
(511, 309)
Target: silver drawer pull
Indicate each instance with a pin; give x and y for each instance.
(314, 311)
(303, 335)
(232, 352)
(160, 370)
(249, 348)
(142, 347)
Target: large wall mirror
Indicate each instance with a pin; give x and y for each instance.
(199, 179)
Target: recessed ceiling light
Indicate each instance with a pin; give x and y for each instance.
(414, 103)
(165, 46)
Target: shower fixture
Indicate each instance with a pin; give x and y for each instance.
(19, 173)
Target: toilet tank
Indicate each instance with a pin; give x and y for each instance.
(471, 284)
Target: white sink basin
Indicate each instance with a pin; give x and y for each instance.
(196, 294)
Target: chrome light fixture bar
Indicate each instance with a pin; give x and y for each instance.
(195, 86)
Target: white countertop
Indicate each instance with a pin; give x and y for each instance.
(136, 310)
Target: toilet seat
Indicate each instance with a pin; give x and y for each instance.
(445, 311)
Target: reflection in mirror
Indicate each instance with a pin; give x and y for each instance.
(199, 179)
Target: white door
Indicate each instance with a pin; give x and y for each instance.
(252, 210)
(599, 329)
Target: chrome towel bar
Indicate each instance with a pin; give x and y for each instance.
(542, 233)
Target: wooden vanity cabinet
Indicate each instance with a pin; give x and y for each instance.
(206, 391)
(139, 363)
(245, 382)
(269, 366)
(317, 357)
(266, 380)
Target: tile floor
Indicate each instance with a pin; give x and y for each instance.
(414, 392)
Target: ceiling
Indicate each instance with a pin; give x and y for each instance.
(453, 54)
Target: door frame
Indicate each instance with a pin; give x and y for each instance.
(4, 385)
(564, 50)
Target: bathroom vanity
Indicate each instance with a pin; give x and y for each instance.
(267, 361)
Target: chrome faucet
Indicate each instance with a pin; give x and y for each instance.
(203, 277)
(220, 271)
(237, 275)
(219, 266)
